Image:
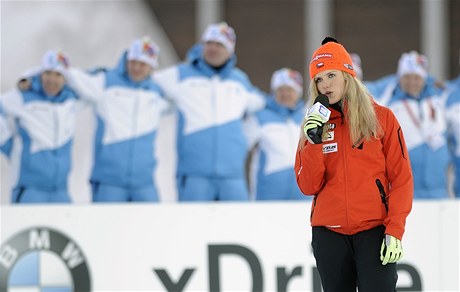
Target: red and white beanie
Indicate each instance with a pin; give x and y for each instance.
(144, 50)
(413, 63)
(220, 33)
(331, 56)
(287, 77)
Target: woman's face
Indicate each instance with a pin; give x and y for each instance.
(52, 82)
(331, 83)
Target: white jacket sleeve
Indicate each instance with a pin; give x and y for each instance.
(88, 87)
(168, 80)
(12, 104)
(256, 100)
(6, 131)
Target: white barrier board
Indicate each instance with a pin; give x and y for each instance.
(200, 247)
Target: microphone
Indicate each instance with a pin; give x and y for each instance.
(320, 108)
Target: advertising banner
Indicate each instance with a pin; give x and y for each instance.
(199, 247)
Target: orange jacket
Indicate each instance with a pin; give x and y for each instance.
(343, 178)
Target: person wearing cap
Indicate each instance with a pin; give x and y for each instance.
(6, 133)
(42, 124)
(417, 102)
(128, 106)
(356, 59)
(454, 83)
(453, 133)
(212, 97)
(452, 94)
(272, 134)
(354, 162)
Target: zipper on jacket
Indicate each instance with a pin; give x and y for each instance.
(382, 193)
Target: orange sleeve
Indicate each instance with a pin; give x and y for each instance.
(399, 174)
(309, 167)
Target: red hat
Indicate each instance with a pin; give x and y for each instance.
(331, 56)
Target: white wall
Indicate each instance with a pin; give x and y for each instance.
(92, 33)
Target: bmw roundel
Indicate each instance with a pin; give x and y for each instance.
(43, 259)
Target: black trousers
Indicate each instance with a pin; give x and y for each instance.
(345, 262)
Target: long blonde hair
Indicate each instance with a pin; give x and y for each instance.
(360, 113)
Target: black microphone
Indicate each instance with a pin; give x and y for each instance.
(320, 107)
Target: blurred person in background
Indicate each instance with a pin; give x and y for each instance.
(6, 133)
(356, 59)
(43, 116)
(416, 101)
(452, 94)
(273, 135)
(212, 97)
(128, 106)
(453, 130)
(355, 164)
(454, 83)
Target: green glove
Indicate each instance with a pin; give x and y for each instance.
(313, 128)
(391, 250)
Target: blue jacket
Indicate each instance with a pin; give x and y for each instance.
(128, 115)
(211, 106)
(275, 132)
(45, 128)
(424, 125)
(454, 83)
(453, 128)
(377, 87)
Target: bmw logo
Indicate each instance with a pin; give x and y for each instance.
(43, 259)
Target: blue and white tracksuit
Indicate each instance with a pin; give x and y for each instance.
(128, 115)
(6, 133)
(424, 125)
(381, 85)
(212, 147)
(453, 128)
(454, 83)
(275, 133)
(44, 128)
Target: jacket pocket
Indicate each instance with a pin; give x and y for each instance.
(383, 196)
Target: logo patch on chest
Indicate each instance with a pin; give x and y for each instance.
(329, 136)
(329, 148)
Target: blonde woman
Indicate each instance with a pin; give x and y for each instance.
(359, 174)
